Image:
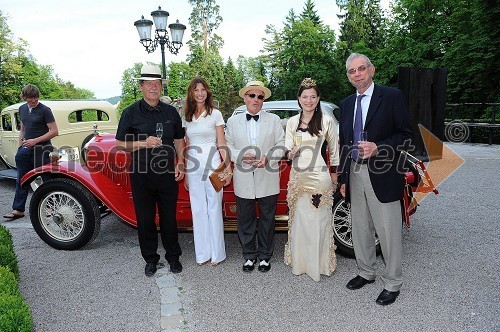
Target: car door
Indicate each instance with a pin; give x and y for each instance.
(9, 136)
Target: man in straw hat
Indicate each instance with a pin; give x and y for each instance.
(152, 131)
(256, 141)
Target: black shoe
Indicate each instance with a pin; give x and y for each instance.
(175, 266)
(264, 265)
(387, 297)
(249, 265)
(358, 282)
(150, 269)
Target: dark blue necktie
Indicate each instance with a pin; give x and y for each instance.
(358, 127)
(255, 117)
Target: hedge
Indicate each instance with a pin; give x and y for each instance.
(5, 236)
(15, 315)
(8, 259)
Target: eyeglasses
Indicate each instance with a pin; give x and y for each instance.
(152, 83)
(253, 95)
(360, 69)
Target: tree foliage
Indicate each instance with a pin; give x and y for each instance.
(18, 68)
(204, 20)
(304, 48)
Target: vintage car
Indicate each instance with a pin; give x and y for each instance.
(76, 120)
(287, 108)
(67, 209)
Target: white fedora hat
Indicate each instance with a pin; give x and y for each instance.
(151, 73)
(255, 85)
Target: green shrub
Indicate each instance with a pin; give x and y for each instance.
(15, 315)
(8, 282)
(8, 259)
(5, 236)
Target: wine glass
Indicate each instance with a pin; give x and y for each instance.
(159, 130)
(297, 139)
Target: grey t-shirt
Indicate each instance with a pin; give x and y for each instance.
(35, 123)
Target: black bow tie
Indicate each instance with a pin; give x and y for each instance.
(156, 108)
(255, 117)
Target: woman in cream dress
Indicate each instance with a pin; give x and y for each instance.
(204, 138)
(310, 248)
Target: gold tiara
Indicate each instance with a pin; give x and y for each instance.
(308, 82)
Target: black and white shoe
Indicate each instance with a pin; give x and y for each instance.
(264, 265)
(249, 265)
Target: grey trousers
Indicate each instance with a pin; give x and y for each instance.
(369, 215)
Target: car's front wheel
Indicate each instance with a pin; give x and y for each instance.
(342, 229)
(65, 214)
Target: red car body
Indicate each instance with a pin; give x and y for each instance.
(66, 210)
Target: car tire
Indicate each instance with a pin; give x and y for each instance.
(342, 228)
(65, 214)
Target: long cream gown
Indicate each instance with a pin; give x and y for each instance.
(310, 248)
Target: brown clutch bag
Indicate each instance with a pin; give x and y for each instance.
(218, 177)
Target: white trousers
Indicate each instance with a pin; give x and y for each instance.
(206, 209)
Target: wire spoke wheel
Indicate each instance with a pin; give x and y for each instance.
(65, 214)
(61, 215)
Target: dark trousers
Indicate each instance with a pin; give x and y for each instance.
(247, 226)
(150, 191)
(26, 160)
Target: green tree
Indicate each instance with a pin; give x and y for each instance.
(454, 34)
(310, 13)
(302, 49)
(205, 59)
(234, 81)
(179, 77)
(130, 87)
(251, 68)
(472, 54)
(11, 67)
(18, 68)
(204, 20)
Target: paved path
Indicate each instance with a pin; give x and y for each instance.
(450, 269)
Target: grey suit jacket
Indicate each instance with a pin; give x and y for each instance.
(251, 182)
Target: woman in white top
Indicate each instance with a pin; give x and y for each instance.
(205, 145)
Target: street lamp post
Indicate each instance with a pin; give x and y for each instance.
(161, 36)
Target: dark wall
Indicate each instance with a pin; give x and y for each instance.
(425, 93)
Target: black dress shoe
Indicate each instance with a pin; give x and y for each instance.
(249, 265)
(387, 297)
(150, 269)
(358, 282)
(175, 266)
(264, 265)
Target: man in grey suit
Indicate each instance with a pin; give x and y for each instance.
(374, 128)
(256, 142)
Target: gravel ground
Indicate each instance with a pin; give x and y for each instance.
(451, 279)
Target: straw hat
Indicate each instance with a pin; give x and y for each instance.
(151, 73)
(255, 85)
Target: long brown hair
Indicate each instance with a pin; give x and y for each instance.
(315, 125)
(190, 105)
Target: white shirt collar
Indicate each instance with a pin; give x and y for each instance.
(369, 91)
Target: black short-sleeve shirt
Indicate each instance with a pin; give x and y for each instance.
(138, 121)
(35, 122)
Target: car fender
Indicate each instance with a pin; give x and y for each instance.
(104, 188)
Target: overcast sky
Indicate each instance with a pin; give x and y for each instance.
(91, 43)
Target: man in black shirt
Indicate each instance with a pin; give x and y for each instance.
(153, 173)
(37, 128)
